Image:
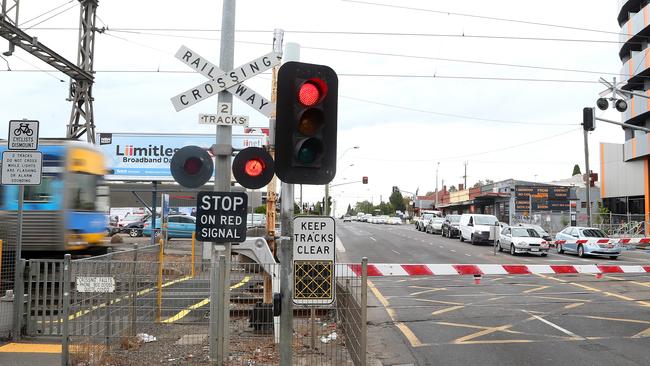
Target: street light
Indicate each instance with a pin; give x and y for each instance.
(327, 186)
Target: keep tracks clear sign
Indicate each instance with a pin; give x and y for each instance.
(313, 260)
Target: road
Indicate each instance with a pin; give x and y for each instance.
(502, 320)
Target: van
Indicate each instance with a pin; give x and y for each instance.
(476, 228)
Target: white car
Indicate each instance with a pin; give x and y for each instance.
(522, 240)
(477, 228)
(394, 221)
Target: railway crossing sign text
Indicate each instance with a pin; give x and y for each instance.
(313, 259)
(221, 216)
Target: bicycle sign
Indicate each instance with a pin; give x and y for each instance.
(23, 135)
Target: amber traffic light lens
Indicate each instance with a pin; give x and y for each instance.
(310, 122)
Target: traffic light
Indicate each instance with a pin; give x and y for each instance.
(253, 167)
(364, 180)
(191, 166)
(306, 123)
(588, 119)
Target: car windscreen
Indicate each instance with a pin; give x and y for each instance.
(453, 219)
(427, 216)
(485, 220)
(524, 232)
(593, 233)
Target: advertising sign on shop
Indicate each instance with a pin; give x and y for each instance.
(146, 157)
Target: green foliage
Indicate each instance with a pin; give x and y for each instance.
(397, 201)
(318, 208)
(576, 170)
(260, 209)
(453, 189)
(364, 206)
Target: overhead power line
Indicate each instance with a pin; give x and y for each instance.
(455, 115)
(477, 16)
(45, 13)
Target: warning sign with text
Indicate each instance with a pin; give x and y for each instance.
(221, 216)
(313, 259)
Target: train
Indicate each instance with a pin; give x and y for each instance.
(68, 211)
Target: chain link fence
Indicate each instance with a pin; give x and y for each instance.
(147, 308)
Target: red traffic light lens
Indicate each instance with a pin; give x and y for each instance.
(192, 165)
(312, 92)
(254, 167)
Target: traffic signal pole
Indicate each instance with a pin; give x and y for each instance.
(587, 177)
(291, 53)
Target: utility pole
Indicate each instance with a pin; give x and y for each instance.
(437, 166)
(586, 177)
(465, 176)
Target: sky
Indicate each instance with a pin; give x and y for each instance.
(424, 86)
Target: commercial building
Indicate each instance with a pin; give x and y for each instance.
(624, 167)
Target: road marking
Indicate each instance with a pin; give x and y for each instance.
(440, 246)
(469, 255)
(30, 348)
(181, 314)
(575, 305)
(441, 302)
(536, 289)
(339, 245)
(395, 251)
(428, 289)
(485, 331)
(445, 310)
(606, 293)
(563, 330)
(614, 319)
(373, 239)
(453, 251)
(410, 336)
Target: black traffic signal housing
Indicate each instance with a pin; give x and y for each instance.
(588, 119)
(306, 123)
(253, 167)
(364, 180)
(191, 166)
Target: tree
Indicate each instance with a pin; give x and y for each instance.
(260, 209)
(364, 206)
(453, 189)
(576, 170)
(397, 201)
(478, 184)
(350, 211)
(296, 208)
(318, 209)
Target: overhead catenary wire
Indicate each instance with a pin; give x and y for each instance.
(53, 16)
(46, 13)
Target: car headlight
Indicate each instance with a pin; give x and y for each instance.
(521, 244)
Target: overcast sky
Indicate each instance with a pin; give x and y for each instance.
(403, 118)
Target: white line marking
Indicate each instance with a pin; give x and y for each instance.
(339, 245)
(395, 251)
(440, 246)
(453, 251)
(565, 331)
(469, 255)
(373, 239)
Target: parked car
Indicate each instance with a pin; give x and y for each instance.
(475, 228)
(434, 226)
(347, 219)
(574, 233)
(542, 233)
(178, 226)
(255, 220)
(131, 218)
(134, 229)
(422, 221)
(522, 240)
(394, 220)
(450, 226)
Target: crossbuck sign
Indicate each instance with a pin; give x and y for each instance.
(220, 80)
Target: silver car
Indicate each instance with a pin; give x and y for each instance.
(434, 226)
(522, 240)
(586, 241)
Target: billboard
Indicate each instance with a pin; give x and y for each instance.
(146, 156)
(543, 198)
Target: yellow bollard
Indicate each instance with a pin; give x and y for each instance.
(193, 252)
(160, 279)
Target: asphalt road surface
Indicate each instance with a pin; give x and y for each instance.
(503, 320)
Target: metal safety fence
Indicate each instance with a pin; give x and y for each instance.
(614, 225)
(148, 307)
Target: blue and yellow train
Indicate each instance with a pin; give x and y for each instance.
(68, 211)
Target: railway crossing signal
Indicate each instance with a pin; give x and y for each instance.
(191, 166)
(588, 119)
(305, 138)
(253, 167)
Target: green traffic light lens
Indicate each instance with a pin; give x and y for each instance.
(309, 150)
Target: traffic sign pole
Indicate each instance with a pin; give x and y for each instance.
(18, 273)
